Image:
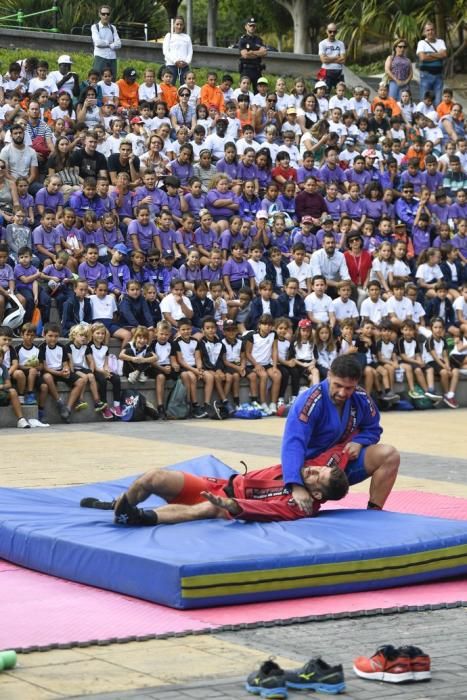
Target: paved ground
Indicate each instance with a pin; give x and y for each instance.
(215, 665)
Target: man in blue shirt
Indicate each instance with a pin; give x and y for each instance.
(331, 412)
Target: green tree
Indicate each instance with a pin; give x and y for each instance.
(384, 20)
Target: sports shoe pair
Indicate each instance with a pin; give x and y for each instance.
(402, 665)
(271, 681)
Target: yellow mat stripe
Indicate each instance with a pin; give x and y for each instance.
(323, 574)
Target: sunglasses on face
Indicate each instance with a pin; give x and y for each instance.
(332, 31)
(105, 14)
(184, 94)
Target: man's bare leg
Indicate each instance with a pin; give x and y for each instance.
(382, 464)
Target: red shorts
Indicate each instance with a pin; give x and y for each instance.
(193, 485)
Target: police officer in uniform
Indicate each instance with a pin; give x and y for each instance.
(252, 52)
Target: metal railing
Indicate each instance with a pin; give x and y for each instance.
(16, 20)
(126, 30)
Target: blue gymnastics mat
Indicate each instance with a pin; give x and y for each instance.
(209, 563)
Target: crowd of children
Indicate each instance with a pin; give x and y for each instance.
(220, 234)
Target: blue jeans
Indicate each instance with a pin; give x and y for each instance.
(428, 81)
(178, 73)
(395, 89)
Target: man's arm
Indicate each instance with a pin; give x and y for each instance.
(257, 510)
(301, 424)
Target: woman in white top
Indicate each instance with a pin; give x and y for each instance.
(178, 51)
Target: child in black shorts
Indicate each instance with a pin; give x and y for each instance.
(56, 368)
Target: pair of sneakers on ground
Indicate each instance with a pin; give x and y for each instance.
(266, 410)
(394, 665)
(271, 681)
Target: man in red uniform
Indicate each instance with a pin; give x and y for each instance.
(258, 496)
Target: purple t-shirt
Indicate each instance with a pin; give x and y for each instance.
(219, 212)
(195, 204)
(63, 274)
(168, 238)
(415, 180)
(210, 275)
(49, 201)
(81, 204)
(117, 277)
(442, 212)
(247, 172)
(65, 233)
(420, 239)
(230, 169)
(237, 270)
(303, 173)
(88, 237)
(144, 234)
(460, 242)
(6, 275)
(109, 238)
(354, 209)
(227, 239)
(19, 271)
(288, 205)
(249, 208)
(308, 241)
(92, 273)
(48, 239)
(458, 211)
(127, 205)
(374, 208)
(362, 179)
(433, 182)
(158, 199)
(206, 240)
(331, 175)
(264, 177)
(182, 171)
(189, 275)
(281, 242)
(335, 208)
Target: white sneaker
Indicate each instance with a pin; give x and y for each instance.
(133, 376)
(265, 409)
(280, 402)
(35, 423)
(21, 399)
(272, 408)
(22, 423)
(142, 377)
(292, 400)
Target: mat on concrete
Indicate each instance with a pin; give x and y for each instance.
(223, 562)
(45, 612)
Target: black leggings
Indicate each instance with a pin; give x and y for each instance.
(296, 374)
(102, 380)
(285, 376)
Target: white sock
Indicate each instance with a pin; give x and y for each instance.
(450, 395)
(116, 404)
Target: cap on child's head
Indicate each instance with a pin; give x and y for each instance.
(121, 247)
(326, 219)
(261, 214)
(168, 254)
(305, 323)
(307, 220)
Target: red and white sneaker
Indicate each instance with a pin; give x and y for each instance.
(387, 664)
(107, 414)
(116, 411)
(420, 662)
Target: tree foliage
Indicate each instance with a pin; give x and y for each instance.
(382, 21)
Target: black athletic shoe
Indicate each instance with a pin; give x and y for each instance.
(125, 514)
(96, 503)
(199, 412)
(316, 674)
(268, 681)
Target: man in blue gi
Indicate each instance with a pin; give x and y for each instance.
(331, 412)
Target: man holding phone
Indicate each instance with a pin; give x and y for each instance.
(106, 42)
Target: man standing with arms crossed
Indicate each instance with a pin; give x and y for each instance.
(252, 52)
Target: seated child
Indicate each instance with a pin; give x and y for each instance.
(138, 356)
(78, 353)
(261, 355)
(99, 362)
(8, 395)
(188, 355)
(55, 366)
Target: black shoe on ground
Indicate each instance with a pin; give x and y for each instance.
(268, 681)
(96, 503)
(125, 514)
(199, 412)
(317, 675)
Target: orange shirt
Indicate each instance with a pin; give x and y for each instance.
(388, 102)
(128, 94)
(169, 94)
(419, 155)
(212, 96)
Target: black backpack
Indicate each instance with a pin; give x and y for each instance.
(135, 406)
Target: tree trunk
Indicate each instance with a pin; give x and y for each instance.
(300, 11)
(189, 17)
(212, 22)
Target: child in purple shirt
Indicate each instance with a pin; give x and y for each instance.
(25, 200)
(91, 269)
(118, 273)
(166, 236)
(195, 198)
(45, 238)
(107, 236)
(87, 199)
(237, 272)
(50, 197)
(141, 234)
(60, 279)
(27, 283)
(176, 201)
